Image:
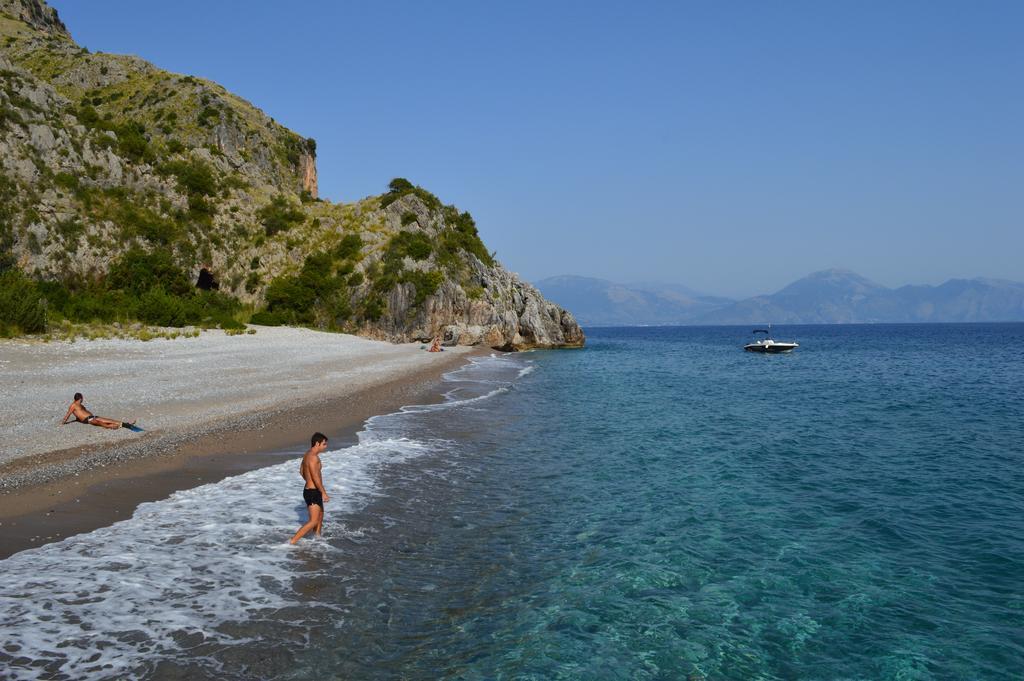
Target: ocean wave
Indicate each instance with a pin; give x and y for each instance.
(99, 604)
(165, 581)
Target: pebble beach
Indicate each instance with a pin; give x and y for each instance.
(215, 399)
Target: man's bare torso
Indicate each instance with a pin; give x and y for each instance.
(80, 412)
(306, 469)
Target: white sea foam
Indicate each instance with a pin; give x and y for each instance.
(178, 566)
(99, 604)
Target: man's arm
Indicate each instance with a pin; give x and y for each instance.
(70, 409)
(318, 479)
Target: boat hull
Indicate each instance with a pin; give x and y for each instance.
(775, 348)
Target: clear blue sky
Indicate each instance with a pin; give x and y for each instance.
(732, 147)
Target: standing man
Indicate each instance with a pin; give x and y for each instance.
(313, 493)
(83, 415)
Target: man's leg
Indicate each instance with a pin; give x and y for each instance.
(320, 525)
(105, 423)
(315, 515)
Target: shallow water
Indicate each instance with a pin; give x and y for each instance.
(660, 505)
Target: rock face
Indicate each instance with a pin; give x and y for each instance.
(36, 14)
(101, 154)
(307, 170)
(511, 315)
(484, 305)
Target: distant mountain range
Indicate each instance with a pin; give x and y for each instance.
(826, 297)
(596, 302)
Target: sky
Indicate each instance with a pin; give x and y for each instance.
(731, 147)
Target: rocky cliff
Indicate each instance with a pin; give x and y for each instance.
(36, 14)
(103, 155)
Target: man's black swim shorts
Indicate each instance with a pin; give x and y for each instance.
(313, 496)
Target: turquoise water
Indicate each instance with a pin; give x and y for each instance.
(663, 505)
(659, 505)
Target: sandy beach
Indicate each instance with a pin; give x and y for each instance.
(210, 407)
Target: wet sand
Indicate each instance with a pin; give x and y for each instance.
(52, 495)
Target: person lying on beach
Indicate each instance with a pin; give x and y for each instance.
(83, 415)
(313, 493)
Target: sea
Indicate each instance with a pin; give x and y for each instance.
(658, 505)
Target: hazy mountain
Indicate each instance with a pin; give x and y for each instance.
(826, 297)
(597, 302)
(679, 292)
(841, 296)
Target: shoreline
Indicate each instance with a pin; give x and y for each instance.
(54, 495)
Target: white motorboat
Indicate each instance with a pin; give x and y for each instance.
(766, 344)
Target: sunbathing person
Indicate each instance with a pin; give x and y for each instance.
(436, 345)
(83, 415)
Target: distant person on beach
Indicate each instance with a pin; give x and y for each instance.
(83, 415)
(313, 493)
(436, 345)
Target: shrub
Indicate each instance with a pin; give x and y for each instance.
(22, 306)
(158, 308)
(291, 299)
(131, 135)
(140, 221)
(200, 209)
(339, 309)
(373, 308)
(265, 318)
(348, 247)
(230, 324)
(194, 176)
(8, 194)
(69, 230)
(356, 279)
(67, 181)
(279, 216)
(462, 235)
(208, 117)
(138, 271)
(87, 115)
(408, 217)
(90, 304)
(426, 284)
(415, 245)
(211, 308)
(234, 181)
(10, 115)
(252, 282)
(34, 246)
(294, 147)
(316, 292)
(400, 187)
(132, 142)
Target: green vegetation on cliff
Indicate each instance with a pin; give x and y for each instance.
(119, 181)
